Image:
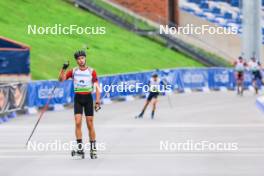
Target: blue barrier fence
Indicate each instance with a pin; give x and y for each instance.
(179, 79)
(40, 91)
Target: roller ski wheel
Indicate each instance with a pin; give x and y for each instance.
(93, 154)
(78, 153)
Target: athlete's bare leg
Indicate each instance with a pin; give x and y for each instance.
(78, 131)
(255, 85)
(240, 87)
(145, 106)
(78, 126)
(155, 100)
(90, 126)
(143, 110)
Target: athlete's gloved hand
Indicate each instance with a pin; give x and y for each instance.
(65, 65)
(97, 106)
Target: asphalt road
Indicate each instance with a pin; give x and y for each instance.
(130, 146)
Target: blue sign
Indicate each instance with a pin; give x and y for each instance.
(121, 85)
(41, 91)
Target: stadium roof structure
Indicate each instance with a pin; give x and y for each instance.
(9, 44)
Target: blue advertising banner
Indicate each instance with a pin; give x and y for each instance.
(121, 85)
(221, 77)
(194, 78)
(39, 92)
(124, 85)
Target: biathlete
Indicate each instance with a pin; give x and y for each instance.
(84, 80)
(255, 68)
(154, 90)
(240, 67)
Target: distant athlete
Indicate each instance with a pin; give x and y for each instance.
(84, 79)
(255, 68)
(240, 66)
(155, 86)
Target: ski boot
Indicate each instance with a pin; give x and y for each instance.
(79, 153)
(140, 115)
(93, 154)
(152, 114)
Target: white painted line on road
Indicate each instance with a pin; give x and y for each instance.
(181, 125)
(116, 155)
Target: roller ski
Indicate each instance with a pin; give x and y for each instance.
(78, 153)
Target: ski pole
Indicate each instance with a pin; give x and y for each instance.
(41, 114)
(45, 107)
(169, 101)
